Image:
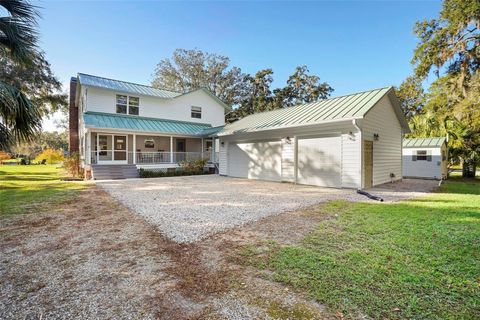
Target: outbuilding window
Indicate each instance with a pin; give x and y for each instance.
(124, 103)
(421, 155)
(196, 112)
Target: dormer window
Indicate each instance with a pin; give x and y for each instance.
(196, 112)
(124, 103)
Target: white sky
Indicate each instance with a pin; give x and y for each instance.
(48, 124)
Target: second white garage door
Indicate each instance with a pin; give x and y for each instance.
(255, 160)
(319, 161)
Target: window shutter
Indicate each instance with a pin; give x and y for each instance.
(414, 157)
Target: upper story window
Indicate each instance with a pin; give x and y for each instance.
(196, 112)
(124, 103)
(133, 105)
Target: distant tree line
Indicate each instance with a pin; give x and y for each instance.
(42, 141)
(449, 50)
(188, 70)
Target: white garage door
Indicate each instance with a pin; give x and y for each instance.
(319, 161)
(255, 160)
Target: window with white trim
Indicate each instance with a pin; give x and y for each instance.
(149, 143)
(133, 105)
(422, 155)
(196, 112)
(126, 103)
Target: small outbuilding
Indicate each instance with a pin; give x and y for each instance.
(352, 141)
(425, 158)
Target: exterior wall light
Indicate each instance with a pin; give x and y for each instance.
(288, 140)
(376, 136)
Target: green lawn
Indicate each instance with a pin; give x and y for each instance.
(23, 188)
(418, 259)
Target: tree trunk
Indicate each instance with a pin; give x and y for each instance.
(469, 169)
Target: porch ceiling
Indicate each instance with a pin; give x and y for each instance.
(98, 120)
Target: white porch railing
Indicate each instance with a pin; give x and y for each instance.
(108, 156)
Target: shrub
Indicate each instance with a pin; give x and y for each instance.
(4, 156)
(193, 166)
(185, 170)
(51, 156)
(72, 165)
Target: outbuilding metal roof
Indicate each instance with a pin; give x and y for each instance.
(123, 86)
(353, 106)
(423, 142)
(99, 120)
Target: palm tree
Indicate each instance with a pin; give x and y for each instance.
(19, 119)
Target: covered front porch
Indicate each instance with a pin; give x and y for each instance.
(147, 149)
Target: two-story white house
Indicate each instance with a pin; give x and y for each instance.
(118, 123)
(351, 141)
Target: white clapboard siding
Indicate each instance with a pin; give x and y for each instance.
(223, 158)
(387, 151)
(103, 100)
(351, 160)
(288, 160)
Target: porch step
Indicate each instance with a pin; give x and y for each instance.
(114, 171)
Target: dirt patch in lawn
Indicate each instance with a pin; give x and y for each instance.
(93, 258)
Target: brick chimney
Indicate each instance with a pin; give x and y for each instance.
(73, 117)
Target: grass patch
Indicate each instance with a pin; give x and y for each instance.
(416, 259)
(23, 188)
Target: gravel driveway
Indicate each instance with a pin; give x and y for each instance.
(187, 209)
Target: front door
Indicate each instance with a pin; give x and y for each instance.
(180, 150)
(104, 146)
(367, 164)
(120, 149)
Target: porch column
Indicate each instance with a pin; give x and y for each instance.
(88, 151)
(134, 144)
(97, 147)
(202, 149)
(171, 149)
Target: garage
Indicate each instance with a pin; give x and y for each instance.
(352, 141)
(319, 161)
(256, 160)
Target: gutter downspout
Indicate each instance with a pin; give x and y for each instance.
(354, 123)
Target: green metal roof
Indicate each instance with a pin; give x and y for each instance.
(99, 120)
(212, 131)
(123, 86)
(424, 142)
(140, 89)
(353, 106)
